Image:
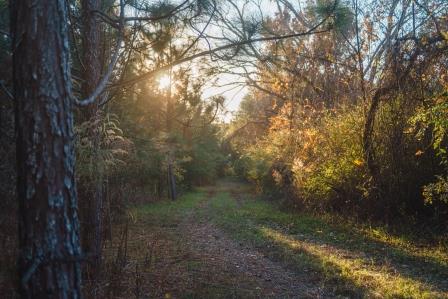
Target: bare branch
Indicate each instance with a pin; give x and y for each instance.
(234, 133)
(103, 83)
(116, 22)
(6, 91)
(201, 33)
(312, 30)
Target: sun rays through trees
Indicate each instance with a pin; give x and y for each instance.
(333, 109)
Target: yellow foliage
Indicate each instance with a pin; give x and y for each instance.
(419, 153)
(358, 162)
(444, 35)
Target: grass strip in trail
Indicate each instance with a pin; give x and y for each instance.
(167, 212)
(348, 260)
(223, 242)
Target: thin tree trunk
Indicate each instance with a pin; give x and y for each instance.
(171, 181)
(367, 137)
(50, 253)
(169, 128)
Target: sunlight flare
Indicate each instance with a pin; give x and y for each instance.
(164, 82)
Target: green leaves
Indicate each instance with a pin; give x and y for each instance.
(101, 145)
(434, 117)
(337, 14)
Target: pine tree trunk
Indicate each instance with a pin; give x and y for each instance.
(169, 128)
(50, 253)
(91, 44)
(171, 182)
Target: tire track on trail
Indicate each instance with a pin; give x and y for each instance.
(239, 270)
(183, 254)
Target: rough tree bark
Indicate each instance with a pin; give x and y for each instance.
(50, 253)
(92, 64)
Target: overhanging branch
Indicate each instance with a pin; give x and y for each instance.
(150, 74)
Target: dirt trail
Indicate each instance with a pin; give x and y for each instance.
(219, 242)
(191, 258)
(250, 271)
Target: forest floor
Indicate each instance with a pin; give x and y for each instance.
(223, 242)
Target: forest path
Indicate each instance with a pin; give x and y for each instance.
(236, 267)
(175, 250)
(221, 241)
